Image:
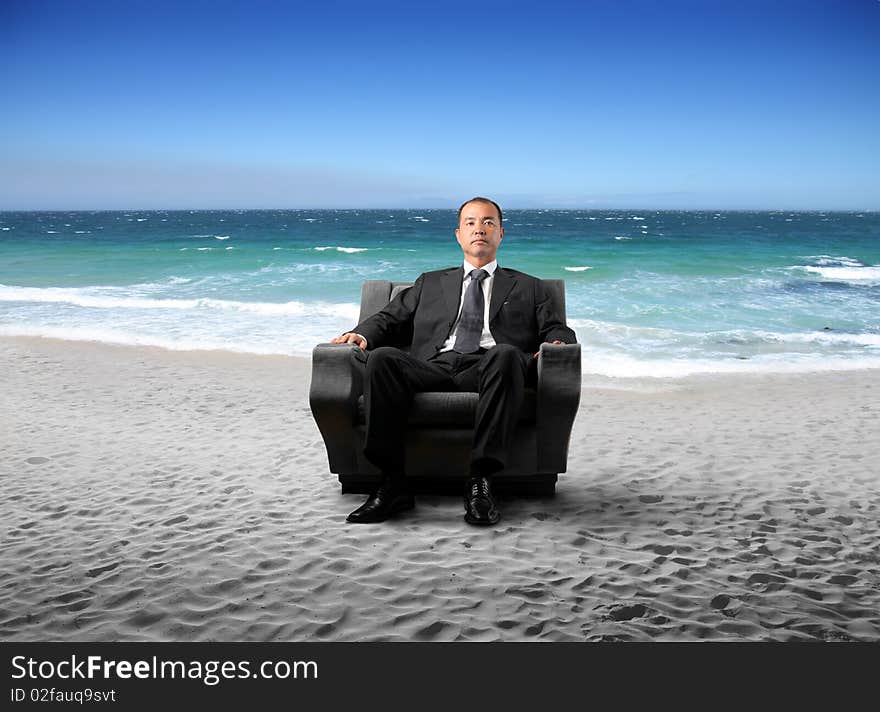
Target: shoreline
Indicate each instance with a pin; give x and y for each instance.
(172, 496)
(590, 381)
(155, 351)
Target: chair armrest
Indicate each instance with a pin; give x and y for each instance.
(337, 383)
(558, 397)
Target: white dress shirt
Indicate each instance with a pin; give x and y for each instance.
(486, 340)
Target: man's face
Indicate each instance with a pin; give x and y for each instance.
(479, 232)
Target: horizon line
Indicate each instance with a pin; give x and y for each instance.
(451, 209)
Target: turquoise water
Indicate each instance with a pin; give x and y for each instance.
(649, 293)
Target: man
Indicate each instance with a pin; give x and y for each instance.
(475, 328)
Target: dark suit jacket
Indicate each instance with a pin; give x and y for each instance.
(520, 313)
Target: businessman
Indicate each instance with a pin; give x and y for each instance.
(476, 327)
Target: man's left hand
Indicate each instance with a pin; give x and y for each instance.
(549, 342)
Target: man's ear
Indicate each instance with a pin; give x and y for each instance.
(457, 233)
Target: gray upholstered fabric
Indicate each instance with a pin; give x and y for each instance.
(438, 440)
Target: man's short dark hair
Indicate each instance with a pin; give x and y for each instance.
(479, 199)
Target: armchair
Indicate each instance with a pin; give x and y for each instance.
(438, 440)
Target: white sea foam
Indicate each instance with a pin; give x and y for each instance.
(622, 351)
(615, 365)
(142, 219)
(637, 217)
(835, 337)
(577, 269)
(831, 261)
(622, 237)
(230, 248)
(821, 338)
(623, 333)
(203, 249)
(297, 337)
(845, 274)
(221, 237)
(347, 250)
(84, 298)
(5, 228)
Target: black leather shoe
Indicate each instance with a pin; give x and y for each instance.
(381, 506)
(479, 505)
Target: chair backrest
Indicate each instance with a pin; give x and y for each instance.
(376, 293)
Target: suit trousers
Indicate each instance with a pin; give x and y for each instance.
(499, 375)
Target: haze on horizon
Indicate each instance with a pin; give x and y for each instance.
(628, 104)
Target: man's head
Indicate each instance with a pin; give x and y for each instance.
(479, 231)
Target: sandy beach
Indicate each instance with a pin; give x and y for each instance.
(153, 495)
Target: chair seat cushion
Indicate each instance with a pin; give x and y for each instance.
(452, 409)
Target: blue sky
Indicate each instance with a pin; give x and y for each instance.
(673, 104)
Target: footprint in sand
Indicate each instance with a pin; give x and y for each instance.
(720, 601)
(650, 498)
(676, 532)
(97, 571)
(627, 613)
(36, 460)
(431, 631)
(843, 579)
(535, 629)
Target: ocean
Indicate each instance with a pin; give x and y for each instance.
(649, 293)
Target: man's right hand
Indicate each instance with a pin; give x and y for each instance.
(350, 338)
